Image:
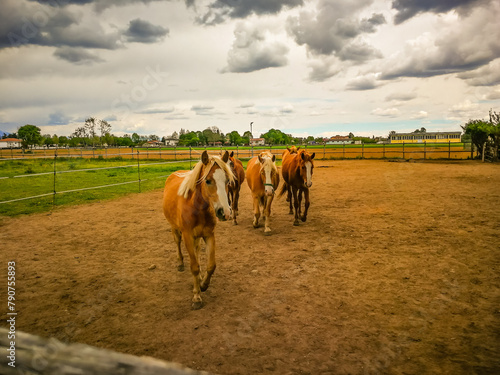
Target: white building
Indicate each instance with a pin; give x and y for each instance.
(10, 143)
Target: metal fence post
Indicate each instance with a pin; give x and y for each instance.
(425, 150)
(189, 157)
(403, 150)
(54, 186)
(324, 151)
(449, 149)
(139, 170)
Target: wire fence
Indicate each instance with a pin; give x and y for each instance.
(149, 158)
(424, 150)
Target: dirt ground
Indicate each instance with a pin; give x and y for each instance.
(396, 271)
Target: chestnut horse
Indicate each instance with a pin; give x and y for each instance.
(297, 170)
(235, 186)
(263, 179)
(191, 202)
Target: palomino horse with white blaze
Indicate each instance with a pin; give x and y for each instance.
(191, 202)
(263, 180)
(297, 170)
(235, 186)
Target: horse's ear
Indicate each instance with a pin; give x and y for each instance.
(274, 158)
(302, 155)
(225, 158)
(231, 154)
(204, 157)
(298, 148)
(313, 155)
(288, 148)
(260, 159)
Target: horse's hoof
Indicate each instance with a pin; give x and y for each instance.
(235, 222)
(197, 305)
(303, 218)
(290, 213)
(267, 232)
(180, 268)
(296, 223)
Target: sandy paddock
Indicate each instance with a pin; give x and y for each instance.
(396, 271)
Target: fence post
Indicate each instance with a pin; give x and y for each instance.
(362, 150)
(383, 150)
(54, 186)
(425, 150)
(343, 150)
(252, 151)
(472, 150)
(403, 150)
(237, 153)
(139, 170)
(189, 157)
(324, 151)
(449, 149)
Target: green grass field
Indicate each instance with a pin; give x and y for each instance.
(26, 178)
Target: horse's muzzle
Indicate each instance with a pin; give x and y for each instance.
(222, 215)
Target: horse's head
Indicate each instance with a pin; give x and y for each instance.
(306, 167)
(215, 178)
(268, 172)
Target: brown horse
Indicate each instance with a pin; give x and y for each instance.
(234, 187)
(289, 150)
(191, 202)
(263, 179)
(297, 170)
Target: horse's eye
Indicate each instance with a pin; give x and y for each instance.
(208, 182)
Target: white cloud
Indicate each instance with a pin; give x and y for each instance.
(386, 112)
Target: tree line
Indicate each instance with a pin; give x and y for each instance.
(485, 135)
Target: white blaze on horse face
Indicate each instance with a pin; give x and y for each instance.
(308, 166)
(220, 182)
(268, 187)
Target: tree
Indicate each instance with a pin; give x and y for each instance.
(30, 134)
(235, 138)
(104, 128)
(485, 134)
(135, 138)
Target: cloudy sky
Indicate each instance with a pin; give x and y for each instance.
(306, 67)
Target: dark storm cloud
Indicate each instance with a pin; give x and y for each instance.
(333, 29)
(145, 32)
(58, 118)
(410, 8)
(78, 56)
(23, 23)
(474, 44)
(220, 10)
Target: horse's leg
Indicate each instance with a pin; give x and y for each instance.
(256, 211)
(235, 203)
(267, 214)
(210, 242)
(177, 239)
(296, 205)
(289, 198)
(191, 244)
(306, 204)
(300, 200)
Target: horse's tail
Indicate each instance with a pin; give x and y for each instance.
(283, 189)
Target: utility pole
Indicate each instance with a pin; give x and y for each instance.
(251, 132)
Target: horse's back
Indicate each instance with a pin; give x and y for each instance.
(253, 175)
(170, 196)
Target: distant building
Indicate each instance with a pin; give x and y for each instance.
(257, 141)
(10, 143)
(428, 137)
(171, 141)
(338, 140)
(153, 144)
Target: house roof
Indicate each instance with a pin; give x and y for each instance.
(10, 140)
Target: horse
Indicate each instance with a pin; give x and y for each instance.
(297, 170)
(263, 180)
(289, 150)
(192, 201)
(235, 186)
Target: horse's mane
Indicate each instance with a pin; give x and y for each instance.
(193, 177)
(268, 160)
